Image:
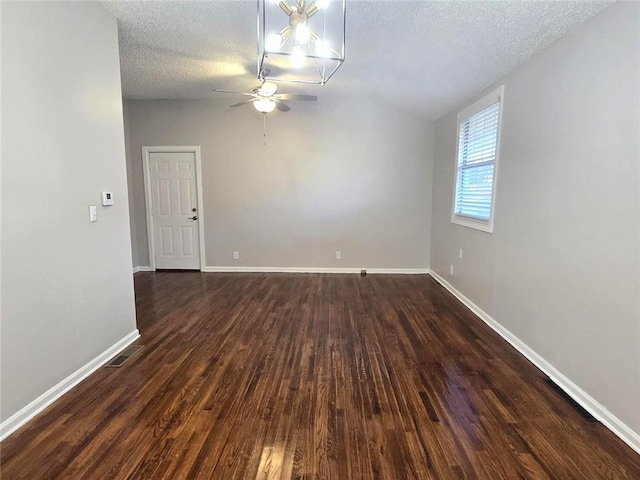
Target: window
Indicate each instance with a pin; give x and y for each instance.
(477, 162)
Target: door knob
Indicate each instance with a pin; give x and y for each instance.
(193, 218)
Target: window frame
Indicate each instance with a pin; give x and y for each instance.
(496, 95)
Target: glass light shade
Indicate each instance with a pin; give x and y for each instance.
(300, 41)
(264, 105)
(268, 89)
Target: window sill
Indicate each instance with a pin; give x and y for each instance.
(482, 225)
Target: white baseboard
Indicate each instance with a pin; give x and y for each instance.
(608, 419)
(142, 269)
(406, 271)
(22, 416)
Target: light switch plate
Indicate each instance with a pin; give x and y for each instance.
(107, 198)
(93, 213)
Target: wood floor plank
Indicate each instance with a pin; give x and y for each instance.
(279, 377)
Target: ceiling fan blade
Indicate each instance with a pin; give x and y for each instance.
(295, 96)
(229, 91)
(239, 104)
(283, 107)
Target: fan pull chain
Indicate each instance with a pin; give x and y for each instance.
(264, 127)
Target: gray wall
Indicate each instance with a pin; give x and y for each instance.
(130, 177)
(561, 269)
(342, 174)
(67, 290)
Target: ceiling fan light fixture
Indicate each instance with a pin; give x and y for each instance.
(264, 105)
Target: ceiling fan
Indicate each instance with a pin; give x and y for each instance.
(265, 99)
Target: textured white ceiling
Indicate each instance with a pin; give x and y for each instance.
(424, 56)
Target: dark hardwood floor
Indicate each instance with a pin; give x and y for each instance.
(249, 376)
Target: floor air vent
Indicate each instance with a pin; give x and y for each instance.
(124, 356)
(575, 405)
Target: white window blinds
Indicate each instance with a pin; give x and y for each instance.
(477, 147)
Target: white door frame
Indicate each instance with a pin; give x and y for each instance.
(148, 197)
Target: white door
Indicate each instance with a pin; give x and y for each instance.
(174, 208)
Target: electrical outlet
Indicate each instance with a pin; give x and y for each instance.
(236, 255)
(338, 255)
(460, 253)
(451, 269)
